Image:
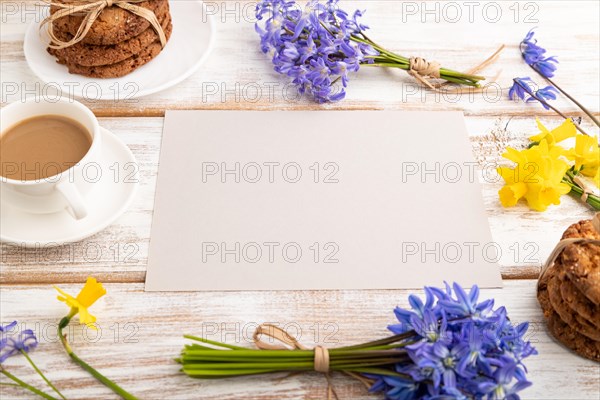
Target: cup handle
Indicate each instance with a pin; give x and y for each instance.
(70, 193)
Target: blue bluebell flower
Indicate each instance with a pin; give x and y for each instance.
(546, 94)
(418, 308)
(14, 344)
(7, 328)
(524, 89)
(466, 306)
(472, 349)
(521, 88)
(504, 386)
(397, 387)
(546, 66)
(313, 46)
(444, 360)
(530, 50)
(4, 331)
(534, 55)
(461, 348)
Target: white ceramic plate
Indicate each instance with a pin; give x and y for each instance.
(107, 201)
(190, 44)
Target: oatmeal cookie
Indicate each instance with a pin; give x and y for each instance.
(121, 68)
(112, 26)
(90, 55)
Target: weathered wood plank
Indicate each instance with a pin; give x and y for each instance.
(119, 253)
(139, 354)
(238, 76)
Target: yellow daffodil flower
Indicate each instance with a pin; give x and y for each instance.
(564, 131)
(510, 194)
(585, 154)
(515, 188)
(537, 177)
(91, 292)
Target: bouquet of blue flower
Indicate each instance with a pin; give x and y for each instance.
(318, 46)
(448, 346)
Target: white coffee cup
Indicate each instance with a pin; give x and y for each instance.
(65, 190)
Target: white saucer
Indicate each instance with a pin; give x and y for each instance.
(107, 200)
(190, 43)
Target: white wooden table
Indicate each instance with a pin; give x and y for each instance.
(140, 333)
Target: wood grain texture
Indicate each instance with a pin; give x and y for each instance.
(119, 253)
(238, 76)
(141, 332)
(139, 355)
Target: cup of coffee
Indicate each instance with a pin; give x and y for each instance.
(46, 149)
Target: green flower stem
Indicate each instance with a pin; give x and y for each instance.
(24, 385)
(447, 78)
(223, 360)
(405, 60)
(101, 378)
(218, 344)
(350, 357)
(42, 375)
(382, 342)
(385, 53)
(397, 61)
(404, 63)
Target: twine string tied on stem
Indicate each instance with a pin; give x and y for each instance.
(321, 357)
(585, 188)
(424, 68)
(420, 69)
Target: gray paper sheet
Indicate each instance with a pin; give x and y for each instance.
(318, 200)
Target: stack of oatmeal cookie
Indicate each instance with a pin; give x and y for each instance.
(117, 43)
(569, 293)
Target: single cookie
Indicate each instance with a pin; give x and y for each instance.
(579, 303)
(575, 341)
(566, 314)
(89, 55)
(113, 25)
(121, 68)
(582, 261)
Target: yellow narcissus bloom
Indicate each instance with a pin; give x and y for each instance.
(537, 177)
(515, 187)
(91, 292)
(566, 130)
(585, 154)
